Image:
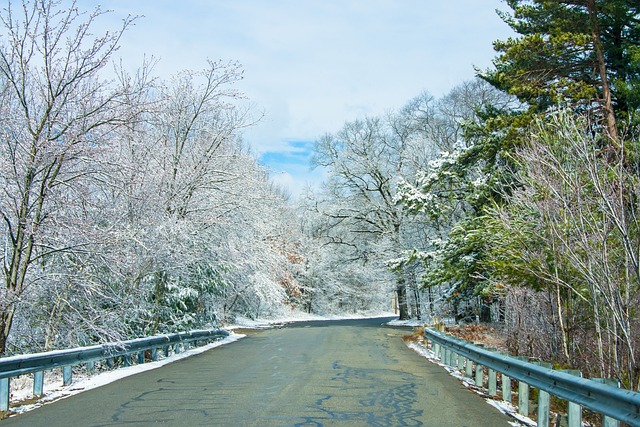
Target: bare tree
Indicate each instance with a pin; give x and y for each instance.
(575, 221)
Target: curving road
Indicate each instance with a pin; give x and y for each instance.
(342, 373)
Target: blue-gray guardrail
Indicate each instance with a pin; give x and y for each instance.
(13, 366)
(623, 405)
(37, 363)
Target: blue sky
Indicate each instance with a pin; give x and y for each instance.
(291, 167)
(311, 65)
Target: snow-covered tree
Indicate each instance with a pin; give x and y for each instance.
(129, 206)
(55, 113)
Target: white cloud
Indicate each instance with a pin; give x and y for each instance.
(314, 64)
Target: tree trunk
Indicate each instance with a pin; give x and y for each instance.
(6, 320)
(610, 116)
(416, 295)
(403, 308)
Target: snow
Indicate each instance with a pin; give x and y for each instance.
(80, 384)
(504, 407)
(410, 322)
(508, 409)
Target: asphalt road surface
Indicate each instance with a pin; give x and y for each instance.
(343, 373)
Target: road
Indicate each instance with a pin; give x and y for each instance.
(343, 373)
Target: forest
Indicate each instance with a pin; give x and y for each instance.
(131, 205)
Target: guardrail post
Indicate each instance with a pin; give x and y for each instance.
(523, 398)
(544, 402)
(574, 413)
(479, 371)
(492, 383)
(126, 359)
(4, 394)
(141, 358)
(479, 375)
(91, 367)
(67, 375)
(38, 383)
(608, 421)
(461, 362)
(468, 368)
(523, 393)
(154, 354)
(167, 350)
(506, 388)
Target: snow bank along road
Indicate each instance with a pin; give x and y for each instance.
(332, 373)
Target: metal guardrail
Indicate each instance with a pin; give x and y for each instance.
(37, 363)
(619, 404)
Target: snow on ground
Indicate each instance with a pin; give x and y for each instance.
(410, 322)
(21, 391)
(504, 407)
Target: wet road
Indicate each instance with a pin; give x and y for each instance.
(347, 373)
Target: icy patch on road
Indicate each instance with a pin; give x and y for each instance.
(84, 383)
(504, 407)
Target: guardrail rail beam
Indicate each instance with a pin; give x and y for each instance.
(612, 402)
(38, 363)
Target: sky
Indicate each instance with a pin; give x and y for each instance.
(312, 65)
